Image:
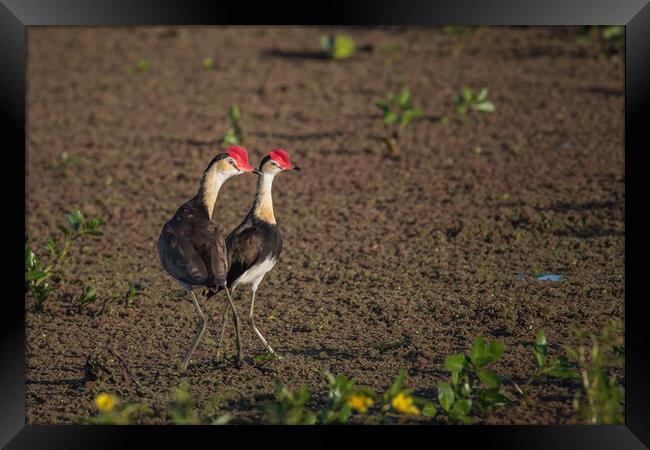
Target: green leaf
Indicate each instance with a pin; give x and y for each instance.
(404, 99)
(381, 104)
(489, 378)
(325, 43)
(409, 115)
(559, 368)
(461, 408)
(445, 396)
(339, 46)
(482, 95)
(467, 94)
(391, 118)
(429, 410)
(75, 218)
(396, 386)
(207, 63)
(234, 114)
(310, 419)
(231, 139)
(455, 363)
(30, 258)
(484, 107)
(540, 339)
(495, 350)
(35, 275)
(477, 353)
(343, 47)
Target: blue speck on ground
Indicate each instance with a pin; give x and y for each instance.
(549, 277)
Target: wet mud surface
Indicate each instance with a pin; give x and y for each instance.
(386, 264)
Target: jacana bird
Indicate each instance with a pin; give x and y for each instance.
(255, 245)
(191, 247)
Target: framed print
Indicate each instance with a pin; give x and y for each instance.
(376, 215)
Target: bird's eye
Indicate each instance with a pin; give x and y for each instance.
(232, 162)
(274, 163)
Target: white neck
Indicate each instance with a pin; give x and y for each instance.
(210, 186)
(263, 207)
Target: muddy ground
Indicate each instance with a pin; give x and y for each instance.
(386, 264)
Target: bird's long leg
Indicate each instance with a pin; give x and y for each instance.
(224, 320)
(251, 323)
(197, 337)
(235, 318)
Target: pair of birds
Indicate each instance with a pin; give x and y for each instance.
(194, 252)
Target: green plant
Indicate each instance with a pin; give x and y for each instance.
(131, 295)
(289, 407)
(614, 36)
(141, 65)
(457, 30)
(557, 367)
(183, 407)
(207, 63)
(88, 295)
(337, 46)
(468, 101)
(399, 112)
(112, 412)
(400, 399)
(344, 397)
(235, 135)
(39, 276)
(602, 398)
(473, 387)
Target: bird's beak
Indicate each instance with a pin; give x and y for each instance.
(297, 169)
(257, 172)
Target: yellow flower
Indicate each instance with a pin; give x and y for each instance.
(360, 403)
(105, 402)
(404, 404)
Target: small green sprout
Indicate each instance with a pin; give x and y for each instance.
(473, 386)
(208, 63)
(113, 412)
(88, 295)
(602, 399)
(458, 30)
(337, 46)
(131, 295)
(468, 101)
(289, 407)
(38, 275)
(344, 398)
(399, 112)
(615, 36)
(141, 65)
(235, 135)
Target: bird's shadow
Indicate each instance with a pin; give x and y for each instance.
(295, 54)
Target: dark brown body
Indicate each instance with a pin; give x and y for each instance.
(252, 242)
(192, 249)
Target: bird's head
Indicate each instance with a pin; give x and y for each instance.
(277, 161)
(233, 161)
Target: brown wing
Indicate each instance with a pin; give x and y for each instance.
(179, 257)
(192, 249)
(244, 245)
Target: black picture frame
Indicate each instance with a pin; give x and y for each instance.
(16, 15)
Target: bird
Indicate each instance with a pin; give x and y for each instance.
(255, 245)
(191, 247)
